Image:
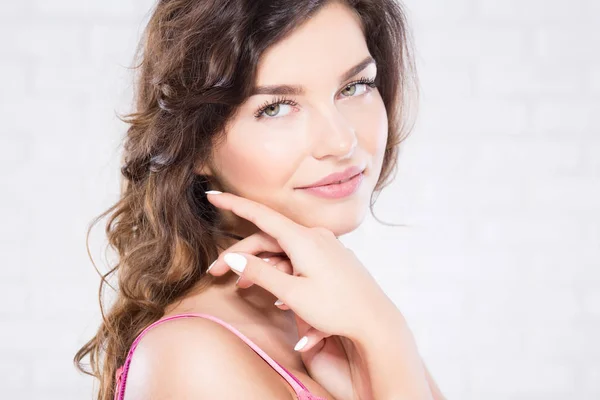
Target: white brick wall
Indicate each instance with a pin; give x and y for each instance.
(498, 272)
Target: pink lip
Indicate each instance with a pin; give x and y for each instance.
(335, 177)
(337, 190)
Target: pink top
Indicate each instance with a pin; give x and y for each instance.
(121, 374)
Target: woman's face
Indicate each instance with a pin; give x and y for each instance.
(325, 128)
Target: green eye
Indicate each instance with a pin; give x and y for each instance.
(272, 110)
(353, 87)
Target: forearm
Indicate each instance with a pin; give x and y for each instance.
(395, 368)
(435, 390)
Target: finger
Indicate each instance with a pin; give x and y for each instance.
(302, 326)
(256, 243)
(281, 305)
(285, 266)
(244, 283)
(310, 339)
(283, 229)
(279, 283)
(274, 261)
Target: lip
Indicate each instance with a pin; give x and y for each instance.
(337, 190)
(336, 176)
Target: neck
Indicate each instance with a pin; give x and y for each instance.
(251, 310)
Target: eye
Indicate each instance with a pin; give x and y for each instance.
(271, 110)
(351, 87)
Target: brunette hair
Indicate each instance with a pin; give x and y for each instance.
(197, 65)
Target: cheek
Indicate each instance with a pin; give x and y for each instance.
(371, 124)
(256, 164)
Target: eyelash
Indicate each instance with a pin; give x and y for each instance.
(284, 100)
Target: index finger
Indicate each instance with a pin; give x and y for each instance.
(278, 226)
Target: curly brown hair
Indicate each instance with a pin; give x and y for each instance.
(197, 65)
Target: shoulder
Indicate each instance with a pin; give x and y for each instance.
(199, 358)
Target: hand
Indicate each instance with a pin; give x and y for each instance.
(331, 360)
(330, 289)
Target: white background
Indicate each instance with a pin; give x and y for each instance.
(499, 184)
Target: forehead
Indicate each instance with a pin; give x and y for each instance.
(321, 49)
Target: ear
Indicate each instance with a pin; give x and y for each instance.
(207, 171)
(203, 169)
(203, 166)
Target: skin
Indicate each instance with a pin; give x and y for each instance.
(333, 126)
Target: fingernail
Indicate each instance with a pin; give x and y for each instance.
(238, 279)
(211, 265)
(266, 259)
(278, 302)
(301, 343)
(236, 262)
(213, 192)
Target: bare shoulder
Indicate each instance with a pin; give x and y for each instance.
(199, 358)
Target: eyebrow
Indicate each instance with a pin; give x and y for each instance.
(296, 90)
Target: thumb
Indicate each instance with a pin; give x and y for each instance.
(260, 273)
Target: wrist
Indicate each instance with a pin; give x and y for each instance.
(380, 323)
(388, 347)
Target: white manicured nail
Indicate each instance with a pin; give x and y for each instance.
(266, 259)
(278, 302)
(213, 192)
(236, 262)
(301, 343)
(211, 265)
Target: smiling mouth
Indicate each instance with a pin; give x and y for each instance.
(333, 183)
(338, 182)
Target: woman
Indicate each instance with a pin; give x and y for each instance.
(248, 113)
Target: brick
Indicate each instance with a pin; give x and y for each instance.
(473, 41)
(526, 78)
(43, 40)
(436, 11)
(532, 11)
(566, 117)
(112, 9)
(525, 159)
(474, 117)
(514, 377)
(567, 196)
(567, 44)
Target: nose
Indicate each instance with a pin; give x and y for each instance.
(335, 136)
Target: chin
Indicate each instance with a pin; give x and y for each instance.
(341, 228)
(340, 218)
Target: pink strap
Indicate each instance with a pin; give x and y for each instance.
(121, 373)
